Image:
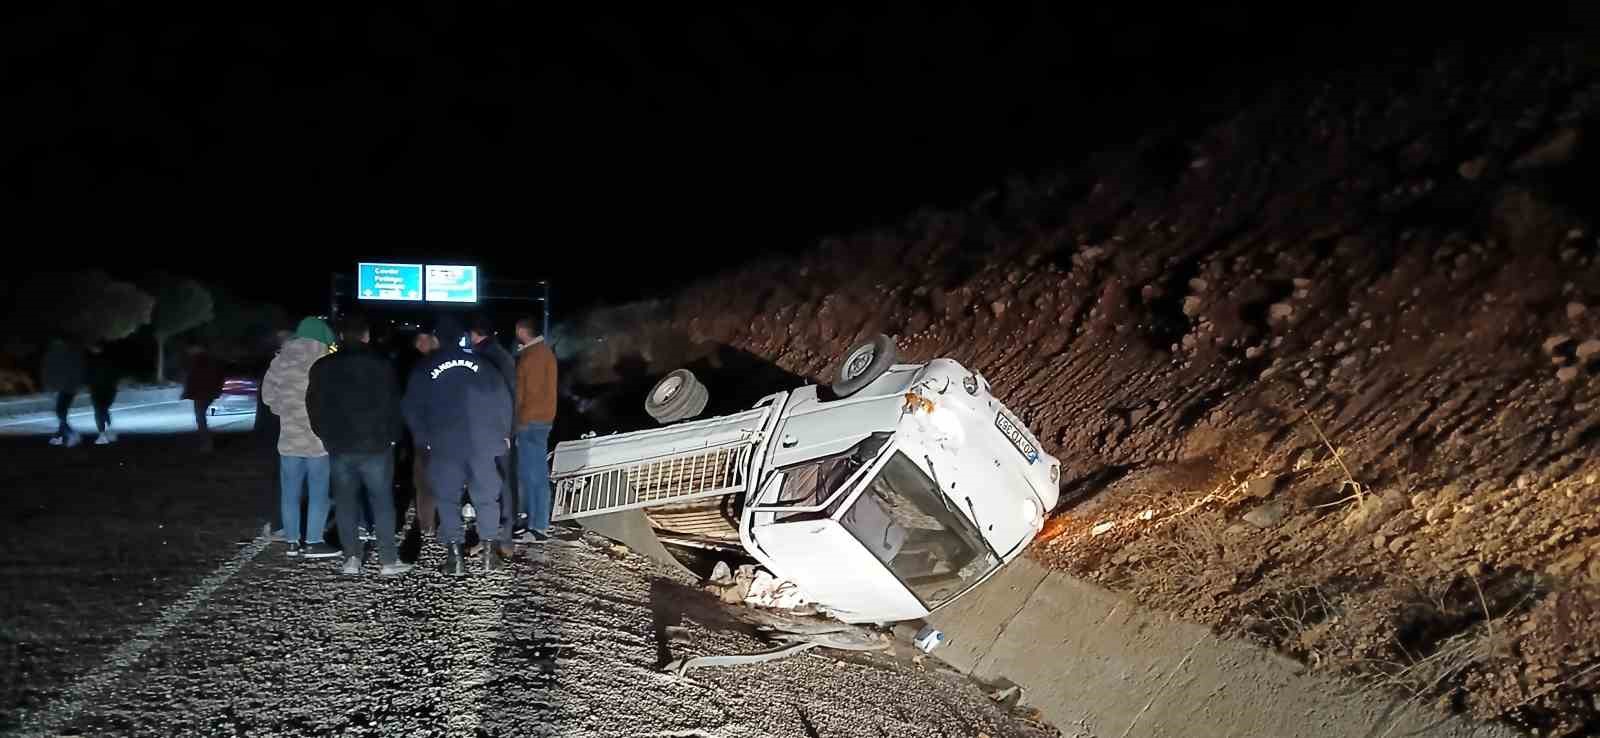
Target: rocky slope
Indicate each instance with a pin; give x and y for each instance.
(1324, 372)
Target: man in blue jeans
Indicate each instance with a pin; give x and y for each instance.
(302, 459)
(536, 412)
(354, 403)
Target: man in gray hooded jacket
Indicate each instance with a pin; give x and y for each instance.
(303, 461)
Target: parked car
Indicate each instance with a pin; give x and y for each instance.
(238, 397)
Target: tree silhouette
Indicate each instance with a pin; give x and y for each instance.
(181, 305)
(88, 306)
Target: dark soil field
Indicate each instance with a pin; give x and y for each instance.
(1325, 373)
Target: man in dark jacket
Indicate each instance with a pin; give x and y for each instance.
(459, 412)
(265, 434)
(354, 406)
(481, 334)
(63, 373)
(422, 495)
(203, 385)
(103, 377)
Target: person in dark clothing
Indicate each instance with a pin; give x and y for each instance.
(427, 516)
(64, 374)
(264, 434)
(203, 385)
(484, 344)
(354, 405)
(481, 334)
(103, 378)
(459, 412)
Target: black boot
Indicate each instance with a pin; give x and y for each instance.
(491, 557)
(455, 562)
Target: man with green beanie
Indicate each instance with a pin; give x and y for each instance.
(302, 460)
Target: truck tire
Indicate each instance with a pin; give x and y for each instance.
(697, 403)
(677, 396)
(864, 363)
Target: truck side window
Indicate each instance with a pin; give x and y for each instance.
(812, 482)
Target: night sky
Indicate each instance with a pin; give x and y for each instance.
(616, 153)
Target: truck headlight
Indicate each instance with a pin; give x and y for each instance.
(1032, 513)
(970, 383)
(1055, 473)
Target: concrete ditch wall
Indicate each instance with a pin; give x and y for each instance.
(1095, 663)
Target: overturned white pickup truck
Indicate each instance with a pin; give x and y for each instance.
(882, 497)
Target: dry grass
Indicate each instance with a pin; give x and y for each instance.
(1358, 490)
(1437, 673)
(1194, 545)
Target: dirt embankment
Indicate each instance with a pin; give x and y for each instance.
(1326, 373)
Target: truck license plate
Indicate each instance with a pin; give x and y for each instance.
(1015, 436)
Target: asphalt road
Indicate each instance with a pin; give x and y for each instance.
(161, 418)
(136, 604)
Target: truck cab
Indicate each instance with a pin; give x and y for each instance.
(886, 505)
(880, 506)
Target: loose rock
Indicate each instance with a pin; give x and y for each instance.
(1269, 515)
(1558, 149)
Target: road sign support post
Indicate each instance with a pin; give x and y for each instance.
(546, 329)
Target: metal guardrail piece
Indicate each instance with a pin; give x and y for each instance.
(845, 638)
(679, 667)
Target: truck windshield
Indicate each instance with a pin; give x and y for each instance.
(911, 527)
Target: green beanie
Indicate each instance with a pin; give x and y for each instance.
(315, 329)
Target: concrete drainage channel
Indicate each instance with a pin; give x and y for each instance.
(1095, 663)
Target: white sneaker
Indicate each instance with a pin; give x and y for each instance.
(395, 569)
(365, 534)
(58, 441)
(352, 566)
(111, 434)
(102, 440)
(467, 513)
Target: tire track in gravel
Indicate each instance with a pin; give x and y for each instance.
(48, 720)
(565, 643)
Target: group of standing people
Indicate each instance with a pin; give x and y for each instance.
(67, 370)
(70, 368)
(479, 421)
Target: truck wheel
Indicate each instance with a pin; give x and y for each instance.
(677, 396)
(863, 364)
(697, 403)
